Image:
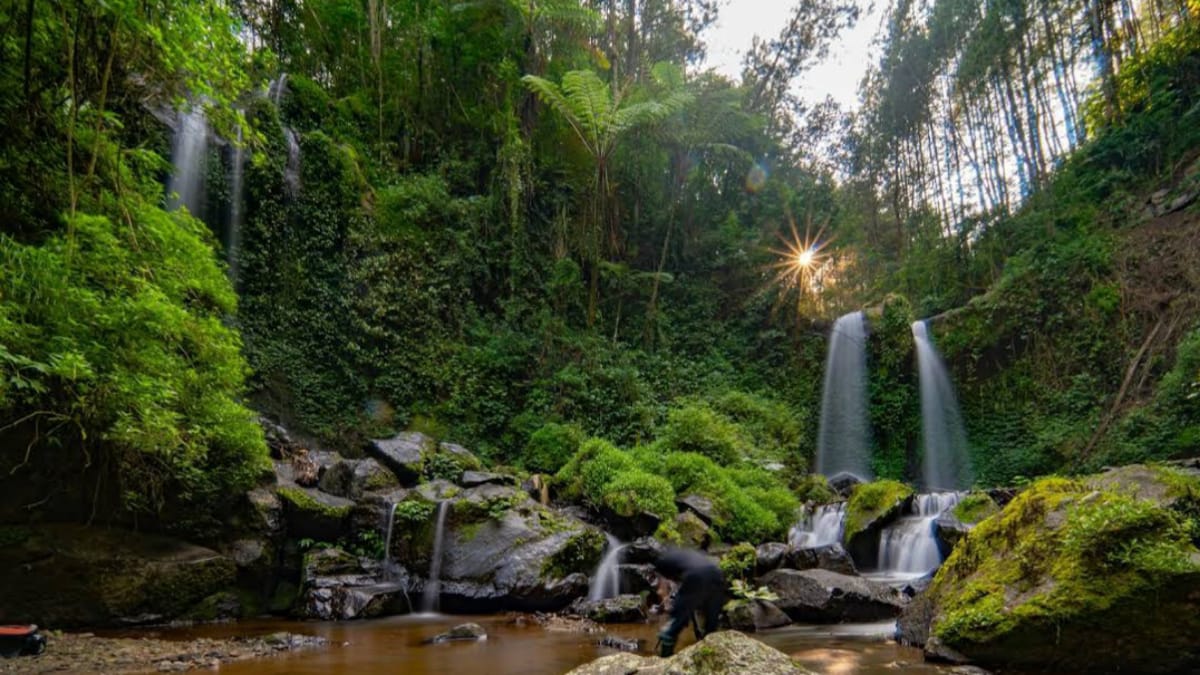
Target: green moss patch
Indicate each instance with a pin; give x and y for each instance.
(871, 501)
(580, 554)
(974, 508)
(302, 501)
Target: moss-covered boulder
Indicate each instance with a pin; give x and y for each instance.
(720, 653)
(626, 608)
(61, 576)
(954, 524)
(822, 596)
(872, 507)
(1099, 575)
(413, 456)
(336, 585)
(501, 549)
(754, 615)
(352, 478)
(312, 514)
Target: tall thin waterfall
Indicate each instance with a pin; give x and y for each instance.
(822, 527)
(233, 249)
(908, 547)
(945, 464)
(433, 587)
(606, 581)
(291, 171)
(188, 153)
(387, 539)
(843, 443)
(276, 88)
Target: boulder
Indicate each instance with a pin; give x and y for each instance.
(821, 596)
(502, 550)
(404, 454)
(871, 508)
(720, 653)
(69, 575)
(476, 478)
(693, 531)
(352, 478)
(770, 556)
(620, 643)
(637, 579)
(701, 506)
(621, 609)
(465, 631)
(844, 483)
(1093, 575)
(336, 585)
(949, 530)
(830, 557)
(755, 615)
(643, 551)
(312, 514)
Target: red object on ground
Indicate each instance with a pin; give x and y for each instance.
(17, 631)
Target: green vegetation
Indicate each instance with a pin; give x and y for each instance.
(974, 508)
(1060, 553)
(738, 562)
(580, 554)
(551, 446)
(871, 501)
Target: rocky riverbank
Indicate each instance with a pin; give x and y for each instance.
(85, 653)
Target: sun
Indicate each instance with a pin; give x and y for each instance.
(801, 260)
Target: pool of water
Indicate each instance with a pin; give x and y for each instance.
(522, 647)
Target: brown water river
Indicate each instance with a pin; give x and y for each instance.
(395, 645)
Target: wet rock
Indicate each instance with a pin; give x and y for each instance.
(626, 528)
(770, 556)
(68, 575)
(949, 530)
(755, 615)
(465, 631)
(537, 487)
(844, 483)
(337, 586)
(821, 596)
(1042, 586)
(620, 643)
(621, 609)
(719, 653)
(637, 579)
(221, 606)
(502, 550)
(264, 512)
(643, 551)
(352, 478)
(279, 440)
(404, 454)
(871, 508)
(312, 514)
(830, 557)
(692, 530)
(701, 506)
(476, 478)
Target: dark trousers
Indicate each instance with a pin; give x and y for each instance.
(699, 592)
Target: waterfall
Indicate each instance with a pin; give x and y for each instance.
(237, 164)
(187, 155)
(606, 581)
(822, 527)
(944, 465)
(429, 600)
(843, 442)
(276, 88)
(387, 539)
(908, 547)
(291, 172)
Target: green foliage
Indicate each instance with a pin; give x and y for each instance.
(743, 590)
(551, 446)
(413, 513)
(975, 507)
(738, 562)
(635, 491)
(869, 501)
(895, 404)
(581, 553)
(699, 429)
(815, 488)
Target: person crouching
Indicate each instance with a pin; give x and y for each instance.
(701, 589)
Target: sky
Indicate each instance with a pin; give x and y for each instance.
(839, 76)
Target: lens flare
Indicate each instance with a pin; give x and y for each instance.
(756, 178)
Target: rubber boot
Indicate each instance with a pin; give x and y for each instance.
(666, 645)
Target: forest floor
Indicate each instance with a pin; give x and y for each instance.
(86, 653)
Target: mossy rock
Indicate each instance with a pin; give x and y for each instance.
(974, 507)
(312, 514)
(871, 507)
(719, 653)
(68, 575)
(1092, 575)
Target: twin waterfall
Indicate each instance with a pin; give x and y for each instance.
(844, 441)
(189, 158)
(945, 465)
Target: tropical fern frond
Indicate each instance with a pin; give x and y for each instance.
(591, 103)
(549, 93)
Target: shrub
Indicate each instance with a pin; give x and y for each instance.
(774, 431)
(697, 428)
(738, 562)
(635, 491)
(552, 446)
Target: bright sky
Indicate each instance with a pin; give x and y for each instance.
(839, 76)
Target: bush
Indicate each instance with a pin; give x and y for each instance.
(699, 429)
(587, 474)
(633, 492)
(774, 431)
(738, 562)
(551, 446)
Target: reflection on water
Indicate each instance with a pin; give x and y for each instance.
(519, 646)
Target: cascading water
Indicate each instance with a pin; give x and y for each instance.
(388, 566)
(433, 586)
(823, 526)
(945, 465)
(276, 88)
(235, 212)
(187, 156)
(843, 443)
(291, 171)
(908, 547)
(606, 581)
